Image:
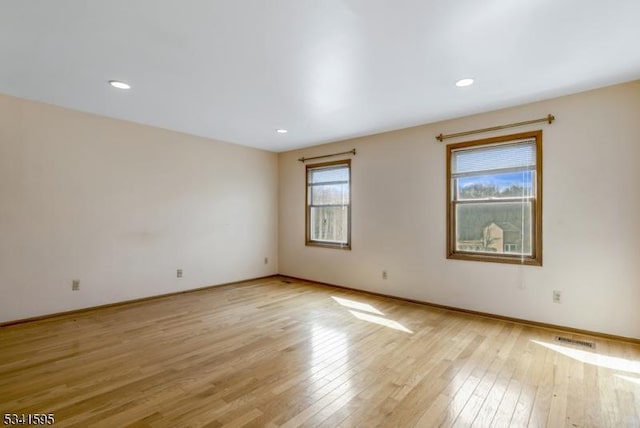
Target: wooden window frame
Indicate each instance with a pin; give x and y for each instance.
(308, 240)
(535, 259)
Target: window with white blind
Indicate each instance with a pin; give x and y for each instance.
(328, 204)
(494, 193)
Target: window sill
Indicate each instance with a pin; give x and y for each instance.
(328, 245)
(515, 260)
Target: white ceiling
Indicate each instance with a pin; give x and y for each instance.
(235, 70)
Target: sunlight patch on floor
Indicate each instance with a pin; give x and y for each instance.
(365, 307)
(605, 361)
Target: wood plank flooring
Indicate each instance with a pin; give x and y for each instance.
(268, 353)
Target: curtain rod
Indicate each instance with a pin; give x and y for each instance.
(550, 118)
(303, 159)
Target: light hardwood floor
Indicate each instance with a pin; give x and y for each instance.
(269, 353)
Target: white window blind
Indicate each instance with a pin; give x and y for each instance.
(514, 155)
(328, 175)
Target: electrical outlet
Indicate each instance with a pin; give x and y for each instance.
(266, 260)
(75, 285)
(384, 274)
(557, 296)
(179, 273)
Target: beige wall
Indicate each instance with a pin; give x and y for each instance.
(121, 206)
(591, 218)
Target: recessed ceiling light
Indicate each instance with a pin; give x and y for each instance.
(118, 84)
(464, 82)
(281, 131)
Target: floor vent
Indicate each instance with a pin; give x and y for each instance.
(570, 341)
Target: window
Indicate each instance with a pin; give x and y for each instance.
(510, 248)
(494, 193)
(328, 204)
